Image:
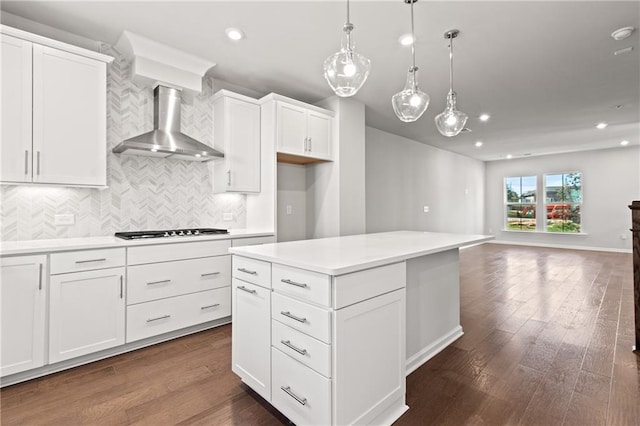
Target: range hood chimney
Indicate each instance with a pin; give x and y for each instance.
(166, 140)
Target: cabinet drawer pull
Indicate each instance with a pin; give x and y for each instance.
(90, 260)
(26, 162)
(243, 288)
(209, 306)
(288, 344)
(287, 389)
(208, 274)
(293, 317)
(159, 282)
(38, 156)
(40, 276)
(159, 318)
(247, 271)
(229, 177)
(288, 281)
(121, 287)
(310, 149)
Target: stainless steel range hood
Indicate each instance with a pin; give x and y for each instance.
(166, 140)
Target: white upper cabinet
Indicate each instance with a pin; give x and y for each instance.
(303, 132)
(236, 132)
(54, 109)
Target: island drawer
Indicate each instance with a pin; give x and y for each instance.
(309, 351)
(165, 315)
(176, 251)
(300, 393)
(252, 270)
(311, 320)
(352, 288)
(167, 279)
(300, 283)
(86, 260)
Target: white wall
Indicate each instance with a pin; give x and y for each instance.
(403, 175)
(610, 179)
(292, 191)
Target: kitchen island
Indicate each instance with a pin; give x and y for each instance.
(326, 330)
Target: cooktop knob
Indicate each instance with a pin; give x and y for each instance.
(196, 232)
(173, 233)
(166, 234)
(181, 233)
(189, 232)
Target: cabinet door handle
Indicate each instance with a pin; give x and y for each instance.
(293, 317)
(246, 271)
(243, 288)
(209, 306)
(90, 260)
(40, 276)
(309, 144)
(159, 282)
(121, 287)
(159, 318)
(229, 177)
(288, 281)
(38, 161)
(287, 389)
(288, 344)
(26, 161)
(208, 274)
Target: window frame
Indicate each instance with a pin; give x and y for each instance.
(571, 204)
(507, 203)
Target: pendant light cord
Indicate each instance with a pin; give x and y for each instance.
(348, 21)
(413, 36)
(348, 27)
(450, 63)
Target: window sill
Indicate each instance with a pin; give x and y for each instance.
(545, 232)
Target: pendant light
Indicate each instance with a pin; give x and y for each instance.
(347, 70)
(411, 103)
(450, 122)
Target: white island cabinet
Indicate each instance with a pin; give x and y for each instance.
(342, 335)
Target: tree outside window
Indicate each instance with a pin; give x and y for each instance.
(563, 202)
(520, 203)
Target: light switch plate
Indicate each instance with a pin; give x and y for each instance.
(64, 219)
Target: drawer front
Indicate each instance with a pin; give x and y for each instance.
(168, 279)
(303, 284)
(309, 351)
(311, 320)
(161, 316)
(176, 251)
(358, 286)
(300, 393)
(86, 260)
(251, 270)
(252, 241)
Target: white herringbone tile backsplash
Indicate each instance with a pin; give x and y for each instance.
(144, 192)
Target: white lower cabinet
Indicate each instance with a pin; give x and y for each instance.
(22, 305)
(300, 393)
(251, 331)
(87, 312)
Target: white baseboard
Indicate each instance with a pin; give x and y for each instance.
(560, 246)
(433, 349)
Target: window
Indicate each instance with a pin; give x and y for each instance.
(563, 201)
(520, 203)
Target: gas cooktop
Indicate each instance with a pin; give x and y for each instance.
(138, 235)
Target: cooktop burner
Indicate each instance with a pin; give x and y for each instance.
(137, 235)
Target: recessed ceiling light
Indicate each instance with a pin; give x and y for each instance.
(622, 33)
(484, 117)
(509, 156)
(478, 144)
(234, 34)
(406, 39)
(601, 126)
(624, 143)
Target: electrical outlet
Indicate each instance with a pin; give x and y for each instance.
(64, 219)
(425, 209)
(289, 209)
(227, 217)
(623, 236)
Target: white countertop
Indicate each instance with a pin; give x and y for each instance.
(342, 255)
(12, 248)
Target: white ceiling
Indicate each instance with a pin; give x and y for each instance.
(545, 71)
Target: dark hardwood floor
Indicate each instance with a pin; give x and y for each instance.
(548, 337)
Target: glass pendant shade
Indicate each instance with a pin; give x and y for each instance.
(450, 122)
(411, 103)
(347, 70)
